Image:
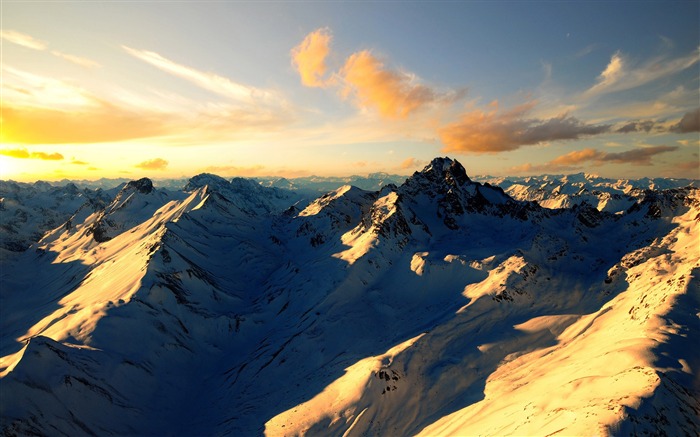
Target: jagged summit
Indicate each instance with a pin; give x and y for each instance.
(143, 185)
(446, 180)
(131, 190)
(445, 169)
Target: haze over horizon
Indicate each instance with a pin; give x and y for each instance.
(172, 89)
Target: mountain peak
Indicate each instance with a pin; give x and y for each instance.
(440, 171)
(440, 162)
(244, 184)
(202, 179)
(143, 185)
(450, 169)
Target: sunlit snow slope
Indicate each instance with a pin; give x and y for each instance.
(438, 307)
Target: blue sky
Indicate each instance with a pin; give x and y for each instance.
(170, 89)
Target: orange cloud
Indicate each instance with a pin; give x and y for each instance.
(394, 94)
(493, 131)
(578, 156)
(690, 166)
(411, 163)
(43, 110)
(573, 160)
(24, 154)
(309, 57)
(153, 164)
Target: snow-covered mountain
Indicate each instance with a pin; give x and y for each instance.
(565, 191)
(320, 184)
(440, 306)
(27, 211)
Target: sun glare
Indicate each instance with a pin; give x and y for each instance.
(6, 168)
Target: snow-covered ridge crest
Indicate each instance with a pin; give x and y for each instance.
(566, 191)
(345, 194)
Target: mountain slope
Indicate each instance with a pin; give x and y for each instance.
(440, 306)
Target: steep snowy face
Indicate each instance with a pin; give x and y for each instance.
(136, 202)
(330, 215)
(437, 307)
(248, 195)
(565, 307)
(444, 188)
(440, 202)
(29, 210)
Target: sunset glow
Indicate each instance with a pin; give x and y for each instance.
(168, 90)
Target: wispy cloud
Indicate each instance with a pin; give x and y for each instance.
(309, 57)
(247, 110)
(21, 88)
(585, 51)
(43, 110)
(22, 39)
(30, 42)
(610, 76)
(620, 74)
(494, 131)
(209, 81)
(78, 60)
(571, 161)
(153, 164)
(24, 154)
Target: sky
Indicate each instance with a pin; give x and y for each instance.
(170, 89)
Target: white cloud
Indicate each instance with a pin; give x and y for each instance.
(22, 39)
(83, 62)
(206, 80)
(620, 75)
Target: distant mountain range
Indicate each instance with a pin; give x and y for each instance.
(31, 209)
(432, 305)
